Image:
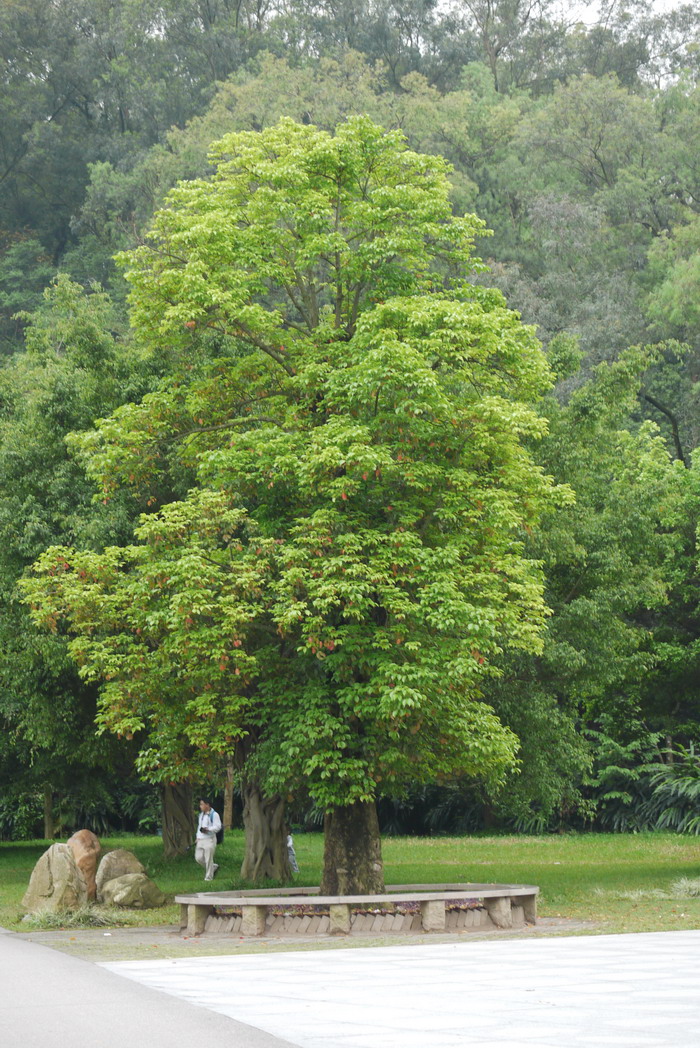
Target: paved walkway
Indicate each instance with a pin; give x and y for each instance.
(616, 991)
(50, 1000)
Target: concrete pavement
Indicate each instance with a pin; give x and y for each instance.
(603, 991)
(50, 1000)
(614, 991)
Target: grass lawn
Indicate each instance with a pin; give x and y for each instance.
(580, 876)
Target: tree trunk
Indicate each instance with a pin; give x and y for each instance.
(227, 817)
(488, 816)
(49, 825)
(265, 836)
(178, 818)
(352, 854)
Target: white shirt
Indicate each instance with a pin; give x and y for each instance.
(210, 821)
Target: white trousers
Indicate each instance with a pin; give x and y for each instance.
(204, 854)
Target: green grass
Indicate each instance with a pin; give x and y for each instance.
(621, 882)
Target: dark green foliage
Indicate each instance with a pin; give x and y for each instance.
(674, 803)
(619, 786)
(641, 787)
(75, 368)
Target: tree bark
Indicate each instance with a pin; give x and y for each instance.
(352, 855)
(178, 818)
(227, 816)
(265, 855)
(49, 825)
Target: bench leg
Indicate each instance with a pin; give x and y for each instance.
(433, 915)
(197, 918)
(339, 919)
(529, 905)
(499, 911)
(253, 922)
(183, 916)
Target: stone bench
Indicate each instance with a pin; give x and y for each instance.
(505, 906)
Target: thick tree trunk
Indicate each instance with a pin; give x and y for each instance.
(179, 820)
(352, 855)
(49, 825)
(227, 816)
(265, 836)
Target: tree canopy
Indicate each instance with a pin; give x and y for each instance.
(351, 559)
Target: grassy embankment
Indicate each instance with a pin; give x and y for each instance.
(614, 880)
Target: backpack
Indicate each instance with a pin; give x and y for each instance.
(220, 836)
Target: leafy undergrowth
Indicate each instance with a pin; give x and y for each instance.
(622, 882)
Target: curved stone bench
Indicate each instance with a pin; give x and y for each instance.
(506, 906)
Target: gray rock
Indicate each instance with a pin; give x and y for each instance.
(115, 864)
(56, 882)
(133, 891)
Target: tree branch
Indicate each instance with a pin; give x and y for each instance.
(241, 331)
(674, 425)
(223, 425)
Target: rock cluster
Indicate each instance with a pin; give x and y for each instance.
(67, 876)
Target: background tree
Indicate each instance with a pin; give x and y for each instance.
(613, 563)
(74, 368)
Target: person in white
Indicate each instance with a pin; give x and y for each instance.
(208, 825)
(291, 854)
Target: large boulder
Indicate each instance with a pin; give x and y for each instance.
(56, 882)
(133, 891)
(115, 864)
(86, 850)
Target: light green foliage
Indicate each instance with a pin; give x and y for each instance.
(351, 560)
(362, 214)
(675, 263)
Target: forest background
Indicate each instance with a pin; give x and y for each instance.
(578, 143)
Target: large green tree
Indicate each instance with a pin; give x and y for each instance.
(333, 591)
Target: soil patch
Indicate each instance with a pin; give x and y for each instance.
(131, 944)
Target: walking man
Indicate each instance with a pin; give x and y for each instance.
(208, 826)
